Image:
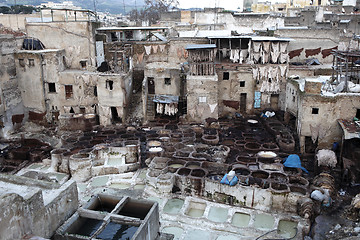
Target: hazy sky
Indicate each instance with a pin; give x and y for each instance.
(227, 4)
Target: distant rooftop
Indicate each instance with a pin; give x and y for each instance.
(130, 28)
(200, 46)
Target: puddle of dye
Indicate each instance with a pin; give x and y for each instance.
(197, 235)
(89, 227)
(193, 166)
(176, 231)
(176, 165)
(217, 214)
(119, 185)
(139, 187)
(240, 220)
(224, 237)
(264, 221)
(194, 212)
(35, 166)
(287, 229)
(173, 206)
(114, 231)
(99, 181)
(115, 161)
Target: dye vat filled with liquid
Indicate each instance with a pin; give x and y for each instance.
(85, 227)
(114, 231)
(240, 219)
(173, 206)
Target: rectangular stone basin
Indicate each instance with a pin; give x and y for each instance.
(173, 206)
(287, 229)
(218, 214)
(115, 230)
(85, 226)
(136, 209)
(240, 219)
(264, 221)
(196, 209)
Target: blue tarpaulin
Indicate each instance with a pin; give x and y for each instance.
(233, 181)
(293, 161)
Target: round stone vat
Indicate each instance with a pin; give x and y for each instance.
(279, 187)
(260, 174)
(210, 139)
(252, 146)
(198, 173)
(270, 147)
(242, 171)
(279, 177)
(183, 171)
(174, 164)
(298, 189)
(193, 165)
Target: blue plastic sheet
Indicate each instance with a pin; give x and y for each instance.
(293, 161)
(233, 181)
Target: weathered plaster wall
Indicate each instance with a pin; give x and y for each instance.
(31, 79)
(83, 85)
(16, 21)
(117, 97)
(77, 38)
(202, 97)
(324, 124)
(30, 210)
(161, 70)
(10, 96)
(291, 99)
(230, 91)
(311, 39)
(258, 21)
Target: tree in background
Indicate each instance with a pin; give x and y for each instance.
(17, 9)
(153, 9)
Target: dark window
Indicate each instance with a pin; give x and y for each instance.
(358, 114)
(95, 91)
(315, 111)
(293, 98)
(52, 87)
(167, 81)
(109, 84)
(83, 63)
(226, 75)
(82, 110)
(72, 110)
(31, 62)
(242, 83)
(22, 62)
(68, 91)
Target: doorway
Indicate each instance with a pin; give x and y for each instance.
(243, 102)
(115, 116)
(274, 102)
(151, 85)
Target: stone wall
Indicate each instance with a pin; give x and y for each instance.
(202, 97)
(28, 210)
(77, 38)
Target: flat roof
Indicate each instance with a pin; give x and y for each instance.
(130, 28)
(266, 38)
(200, 46)
(240, 36)
(350, 128)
